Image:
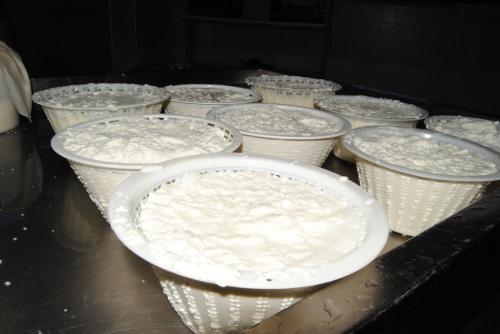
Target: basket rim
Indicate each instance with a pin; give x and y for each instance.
(57, 141)
(264, 82)
(320, 102)
(38, 97)
(256, 96)
(482, 151)
(136, 186)
(217, 112)
(428, 121)
(432, 121)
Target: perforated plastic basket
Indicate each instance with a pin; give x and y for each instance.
(362, 110)
(463, 127)
(207, 308)
(416, 200)
(140, 100)
(312, 149)
(100, 178)
(209, 96)
(291, 90)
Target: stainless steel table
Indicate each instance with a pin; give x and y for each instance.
(62, 270)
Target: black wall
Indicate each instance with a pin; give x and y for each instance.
(441, 51)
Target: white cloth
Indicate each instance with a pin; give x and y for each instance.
(14, 80)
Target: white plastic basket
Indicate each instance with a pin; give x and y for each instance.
(207, 308)
(148, 100)
(291, 90)
(416, 200)
(312, 149)
(362, 110)
(219, 96)
(100, 178)
(463, 127)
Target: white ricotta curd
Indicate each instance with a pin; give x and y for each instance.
(226, 223)
(143, 140)
(482, 131)
(370, 107)
(100, 98)
(211, 94)
(292, 82)
(275, 120)
(422, 154)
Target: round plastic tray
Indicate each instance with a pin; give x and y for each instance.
(415, 200)
(62, 116)
(201, 304)
(313, 149)
(490, 140)
(379, 111)
(100, 178)
(127, 199)
(291, 90)
(183, 106)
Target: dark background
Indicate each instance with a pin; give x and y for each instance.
(441, 50)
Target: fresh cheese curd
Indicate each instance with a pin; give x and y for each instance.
(362, 111)
(211, 94)
(143, 140)
(291, 90)
(275, 120)
(422, 154)
(226, 223)
(292, 82)
(482, 131)
(370, 107)
(69, 105)
(104, 98)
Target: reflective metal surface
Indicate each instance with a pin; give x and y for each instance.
(62, 270)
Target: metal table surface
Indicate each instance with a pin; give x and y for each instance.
(62, 270)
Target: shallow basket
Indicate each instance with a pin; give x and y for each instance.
(432, 122)
(180, 106)
(312, 149)
(201, 304)
(359, 103)
(416, 200)
(291, 90)
(100, 178)
(61, 117)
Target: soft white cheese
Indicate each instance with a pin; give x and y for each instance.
(103, 98)
(478, 130)
(225, 224)
(366, 106)
(423, 154)
(291, 82)
(274, 120)
(210, 95)
(143, 140)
